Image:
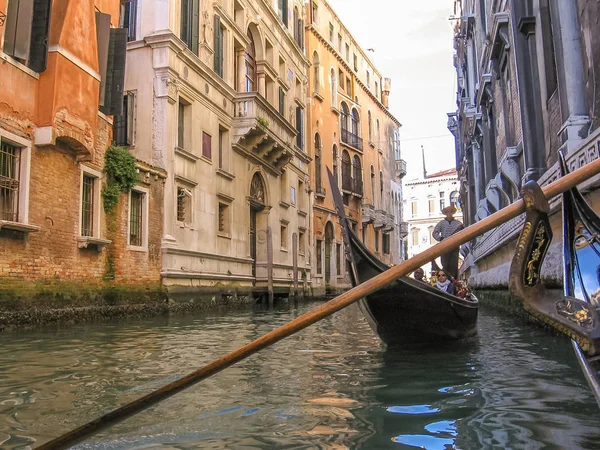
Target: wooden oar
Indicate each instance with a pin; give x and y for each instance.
(341, 301)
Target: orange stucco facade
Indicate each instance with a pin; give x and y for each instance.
(348, 120)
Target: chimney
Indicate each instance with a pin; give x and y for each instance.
(385, 92)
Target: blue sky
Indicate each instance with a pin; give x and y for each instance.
(413, 47)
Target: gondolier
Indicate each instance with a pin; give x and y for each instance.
(446, 228)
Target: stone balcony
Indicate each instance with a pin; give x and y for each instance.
(262, 134)
(368, 213)
(403, 229)
(400, 168)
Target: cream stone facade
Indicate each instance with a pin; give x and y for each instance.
(217, 94)
(424, 200)
(353, 133)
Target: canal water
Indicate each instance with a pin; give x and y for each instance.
(331, 386)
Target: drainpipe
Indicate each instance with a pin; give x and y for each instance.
(569, 61)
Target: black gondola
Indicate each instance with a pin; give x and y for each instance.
(405, 310)
(576, 313)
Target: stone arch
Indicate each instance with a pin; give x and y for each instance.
(258, 189)
(254, 32)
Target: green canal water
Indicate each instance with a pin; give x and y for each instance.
(331, 386)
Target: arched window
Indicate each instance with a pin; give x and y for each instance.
(396, 145)
(357, 175)
(346, 171)
(373, 184)
(378, 135)
(355, 123)
(316, 73)
(250, 62)
(298, 28)
(381, 187)
(345, 112)
(455, 200)
(415, 236)
(282, 9)
(318, 184)
(370, 127)
(333, 84)
(335, 163)
(257, 189)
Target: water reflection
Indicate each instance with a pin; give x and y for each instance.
(331, 386)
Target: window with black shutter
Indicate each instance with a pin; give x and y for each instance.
(123, 124)
(190, 24)
(281, 101)
(299, 128)
(128, 17)
(26, 32)
(113, 79)
(218, 39)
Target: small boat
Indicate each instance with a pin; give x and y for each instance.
(405, 310)
(576, 312)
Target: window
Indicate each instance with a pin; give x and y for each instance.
(183, 122)
(26, 39)
(282, 10)
(190, 23)
(339, 43)
(413, 206)
(293, 195)
(300, 195)
(346, 171)
(124, 124)
(318, 256)
(431, 202)
(415, 236)
(330, 32)
(224, 226)
(318, 179)
(250, 63)
(128, 17)
(298, 29)
(376, 90)
(301, 242)
(316, 73)
(357, 175)
(206, 145)
(112, 47)
(223, 156)
(300, 127)
(284, 236)
(373, 184)
(218, 46)
(442, 200)
(370, 126)
(315, 13)
(381, 188)
(90, 203)
(281, 101)
(341, 79)
(335, 163)
(376, 240)
(355, 62)
(184, 205)
(385, 243)
(455, 200)
(338, 259)
(368, 80)
(364, 234)
(87, 206)
(333, 84)
(347, 52)
(10, 171)
(138, 218)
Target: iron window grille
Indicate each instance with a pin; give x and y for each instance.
(87, 206)
(136, 219)
(10, 169)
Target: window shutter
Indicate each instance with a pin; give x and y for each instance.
(299, 137)
(281, 101)
(130, 110)
(218, 39)
(102, 39)
(17, 38)
(195, 25)
(115, 72)
(284, 12)
(38, 52)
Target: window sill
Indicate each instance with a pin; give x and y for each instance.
(285, 250)
(13, 62)
(318, 96)
(18, 226)
(283, 204)
(185, 154)
(302, 213)
(224, 235)
(86, 241)
(135, 248)
(225, 174)
(206, 159)
(335, 110)
(372, 144)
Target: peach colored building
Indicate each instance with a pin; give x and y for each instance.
(62, 81)
(353, 133)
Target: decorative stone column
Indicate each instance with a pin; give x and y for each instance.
(241, 70)
(262, 84)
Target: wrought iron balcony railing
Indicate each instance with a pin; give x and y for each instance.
(352, 139)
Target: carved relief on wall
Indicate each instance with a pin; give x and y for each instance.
(257, 188)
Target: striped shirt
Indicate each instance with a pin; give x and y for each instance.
(446, 228)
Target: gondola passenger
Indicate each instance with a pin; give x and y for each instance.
(444, 283)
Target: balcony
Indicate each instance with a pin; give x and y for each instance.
(357, 187)
(320, 192)
(403, 229)
(400, 168)
(262, 134)
(352, 140)
(368, 213)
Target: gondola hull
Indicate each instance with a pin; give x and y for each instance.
(408, 310)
